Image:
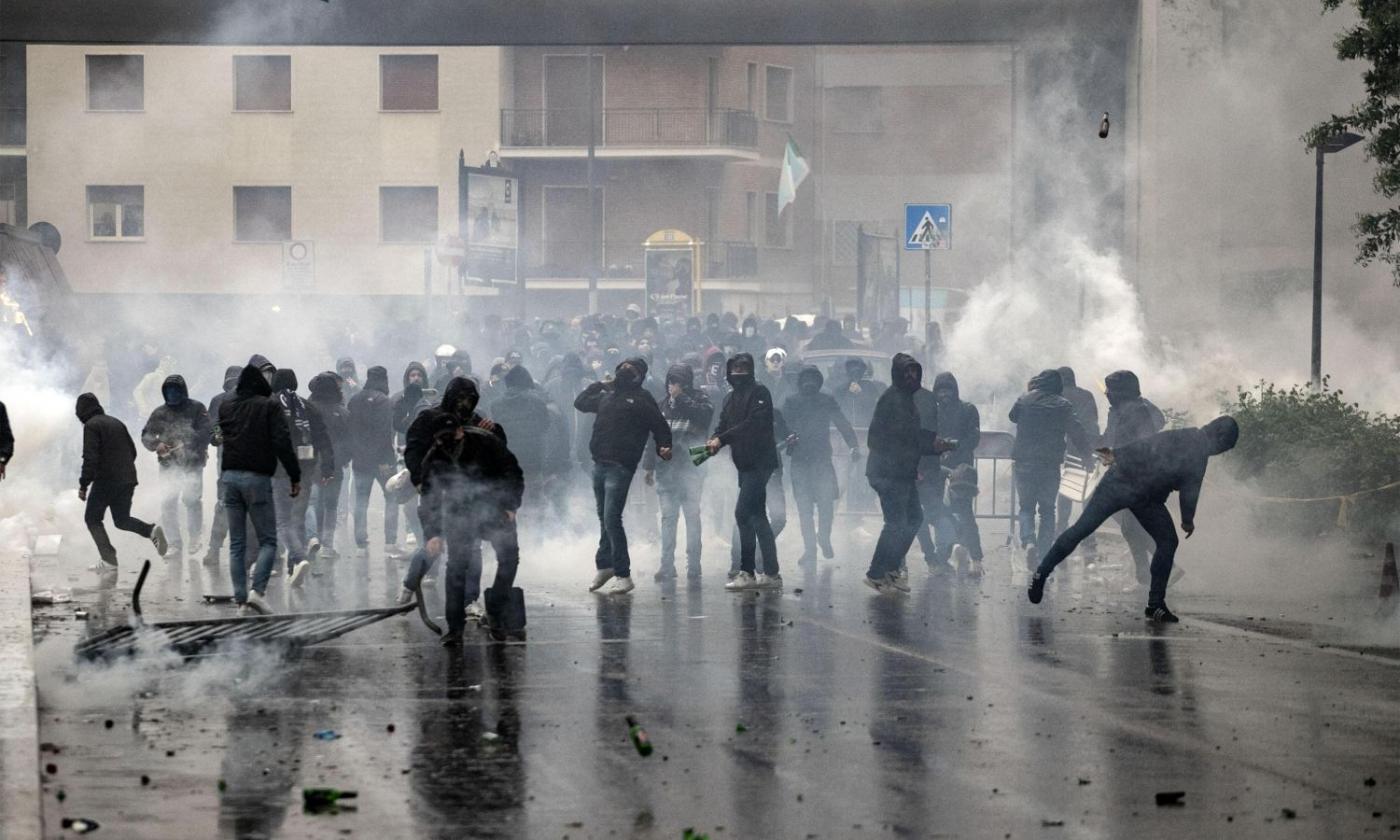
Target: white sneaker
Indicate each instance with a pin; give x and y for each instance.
(621, 586)
(313, 548)
(474, 612)
(299, 574)
(158, 540)
(881, 586)
(429, 580)
(243, 611)
(741, 582)
(256, 603)
(961, 556)
(898, 580)
(406, 596)
(768, 582)
(603, 576)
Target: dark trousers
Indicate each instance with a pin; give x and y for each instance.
(751, 517)
(904, 516)
(611, 484)
(218, 530)
(1037, 488)
(248, 500)
(938, 532)
(1064, 512)
(505, 543)
(1110, 497)
(325, 507)
(775, 505)
(960, 511)
(814, 491)
(364, 483)
(102, 497)
(1139, 545)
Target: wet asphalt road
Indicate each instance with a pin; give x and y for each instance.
(956, 711)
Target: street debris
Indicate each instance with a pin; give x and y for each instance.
(326, 735)
(1171, 798)
(80, 826)
(639, 737)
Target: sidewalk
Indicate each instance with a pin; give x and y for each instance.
(19, 725)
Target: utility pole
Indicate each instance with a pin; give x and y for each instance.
(592, 194)
(1331, 145)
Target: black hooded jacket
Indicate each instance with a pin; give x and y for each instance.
(459, 402)
(304, 422)
(859, 405)
(348, 390)
(476, 478)
(371, 424)
(810, 414)
(960, 421)
(1153, 467)
(1086, 408)
(409, 402)
(109, 454)
(540, 441)
(1044, 422)
(1130, 416)
(255, 431)
(230, 382)
(689, 415)
(746, 421)
(184, 426)
(897, 440)
(328, 400)
(626, 414)
(7, 438)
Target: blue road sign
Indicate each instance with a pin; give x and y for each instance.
(928, 227)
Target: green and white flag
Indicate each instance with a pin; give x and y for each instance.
(795, 171)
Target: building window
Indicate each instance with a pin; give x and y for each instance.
(408, 82)
(116, 212)
(777, 93)
(751, 217)
(408, 214)
(854, 110)
(262, 83)
(775, 225)
(262, 214)
(116, 82)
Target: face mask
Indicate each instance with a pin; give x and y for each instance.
(809, 388)
(739, 379)
(172, 399)
(628, 377)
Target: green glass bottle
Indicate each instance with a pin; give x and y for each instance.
(699, 455)
(315, 798)
(639, 737)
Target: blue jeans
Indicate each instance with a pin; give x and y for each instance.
(249, 495)
(611, 482)
(678, 490)
(1037, 491)
(904, 516)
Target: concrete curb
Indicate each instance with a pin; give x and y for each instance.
(19, 722)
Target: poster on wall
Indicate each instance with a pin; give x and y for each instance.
(670, 282)
(491, 224)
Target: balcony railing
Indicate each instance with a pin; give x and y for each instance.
(730, 260)
(626, 259)
(630, 128)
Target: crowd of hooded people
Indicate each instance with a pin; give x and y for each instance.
(458, 453)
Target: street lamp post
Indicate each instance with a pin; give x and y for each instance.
(1331, 145)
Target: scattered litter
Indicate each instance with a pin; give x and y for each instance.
(639, 737)
(1171, 797)
(80, 615)
(490, 736)
(1290, 814)
(1370, 782)
(80, 826)
(44, 597)
(692, 834)
(109, 723)
(223, 786)
(218, 599)
(326, 735)
(51, 769)
(739, 727)
(474, 687)
(797, 591)
(145, 780)
(1052, 823)
(1083, 782)
(326, 800)
(389, 728)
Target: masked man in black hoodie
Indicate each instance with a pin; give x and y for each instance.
(256, 442)
(7, 441)
(218, 529)
(746, 427)
(1086, 411)
(328, 400)
(679, 483)
(179, 432)
(316, 456)
(1131, 417)
(810, 415)
(626, 415)
(108, 479)
(372, 457)
(1045, 423)
(1140, 477)
(897, 440)
(960, 421)
(538, 436)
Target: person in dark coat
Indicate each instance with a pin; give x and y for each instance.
(256, 442)
(316, 455)
(1045, 424)
(960, 421)
(108, 479)
(538, 438)
(936, 532)
(626, 416)
(179, 432)
(328, 398)
(415, 398)
(897, 440)
(1131, 417)
(349, 375)
(218, 529)
(679, 483)
(746, 427)
(7, 441)
(858, 393)
(830, 338)
(1086, 412)
(1140, 477)
(372, 457)
(810, 415)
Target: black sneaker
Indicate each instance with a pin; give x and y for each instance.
(1036, 590)
(1161, 615)
(452, 639)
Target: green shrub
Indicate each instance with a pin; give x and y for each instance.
(1297, 443)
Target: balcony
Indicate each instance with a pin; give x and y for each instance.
(562, 133)
(732, 260)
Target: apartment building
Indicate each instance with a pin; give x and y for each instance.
(324, 170)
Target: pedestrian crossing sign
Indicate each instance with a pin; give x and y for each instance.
(928, 227)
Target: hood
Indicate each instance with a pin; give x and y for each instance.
(810, 375)
(463, 358)
(738, 359)
(285, 379)
(458, 390)
(572, 364)
(1048, 381)
(518, 378)
(346, 362)
(261, 363)
(252, 384)
(856, 369)
(682, 375)
(1067, 377)
(898, 365)
(833, 327)
(640, 364)
(412, 366)
(231, 377)
(88, 407)
(325, 387)
(1122, 385)
(1222, 434)
(377, 379)
(948, 381)
(175, 382)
